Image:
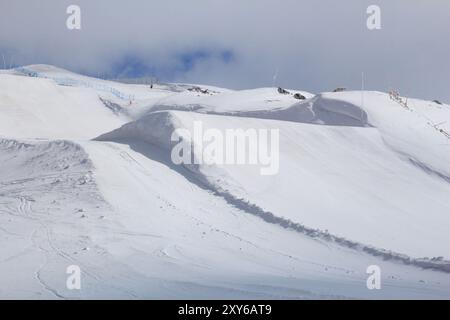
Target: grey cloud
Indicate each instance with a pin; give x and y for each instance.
(314, 45)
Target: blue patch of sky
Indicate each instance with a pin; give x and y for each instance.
(131, 66)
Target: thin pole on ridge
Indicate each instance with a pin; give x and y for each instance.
(275, 77)
(362, 96)
(362, 89)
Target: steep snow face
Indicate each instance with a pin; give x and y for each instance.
(362, 178)
(342, 179)
(411, 131)
(38, 108)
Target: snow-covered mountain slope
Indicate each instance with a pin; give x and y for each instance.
(214, 101)
(39, 108)
(362, 181)
(139, 240)
(305, 188)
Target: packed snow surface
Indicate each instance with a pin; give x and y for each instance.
(87, 179)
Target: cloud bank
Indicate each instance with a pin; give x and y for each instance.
(311, 45)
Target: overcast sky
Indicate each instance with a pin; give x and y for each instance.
(314, 45)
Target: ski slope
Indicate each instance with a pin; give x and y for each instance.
(87, 179)
(39, 108)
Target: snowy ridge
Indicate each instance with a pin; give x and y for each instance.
(76, 83)
(311, 111)
(156, 128)
(56, 155)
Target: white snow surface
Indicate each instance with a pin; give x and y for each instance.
(86, 179)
